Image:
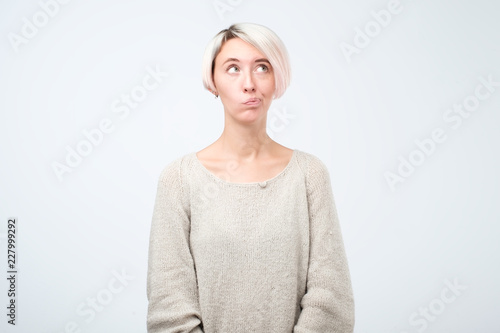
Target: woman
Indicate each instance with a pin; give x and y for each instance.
(245, 235)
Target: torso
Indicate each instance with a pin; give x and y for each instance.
(258, 170)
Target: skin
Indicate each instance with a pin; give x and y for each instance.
(244, 152)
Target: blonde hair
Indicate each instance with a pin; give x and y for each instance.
(260, 37)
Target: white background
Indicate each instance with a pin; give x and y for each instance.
(361, 114)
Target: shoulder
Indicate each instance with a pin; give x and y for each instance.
(175, 170)
(311, 164)
(316, 174)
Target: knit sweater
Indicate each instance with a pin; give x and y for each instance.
(247, 257)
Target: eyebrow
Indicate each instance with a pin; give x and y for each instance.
(257, 60)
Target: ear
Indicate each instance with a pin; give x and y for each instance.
(214, 91)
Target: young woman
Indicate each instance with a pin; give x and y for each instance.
(245, 235)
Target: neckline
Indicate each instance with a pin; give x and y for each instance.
(262, 183)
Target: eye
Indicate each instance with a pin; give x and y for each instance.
(262, 68)
(232, 69)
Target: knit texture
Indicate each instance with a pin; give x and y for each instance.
(247, 257)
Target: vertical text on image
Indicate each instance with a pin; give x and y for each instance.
(12, 270)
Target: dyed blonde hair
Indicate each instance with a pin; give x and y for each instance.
(260, 37)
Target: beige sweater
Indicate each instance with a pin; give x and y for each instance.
(247, 257)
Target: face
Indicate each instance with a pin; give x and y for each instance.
(244, 80)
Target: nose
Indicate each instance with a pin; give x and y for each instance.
(248, 84)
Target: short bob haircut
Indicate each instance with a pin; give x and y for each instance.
(260, 37)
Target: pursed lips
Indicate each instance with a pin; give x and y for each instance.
(252, 101)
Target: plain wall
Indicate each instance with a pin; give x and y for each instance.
(392, 96)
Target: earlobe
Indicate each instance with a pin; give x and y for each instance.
(215, 93)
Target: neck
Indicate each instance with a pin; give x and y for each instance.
(245, 142)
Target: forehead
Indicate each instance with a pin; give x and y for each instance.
(239, 49)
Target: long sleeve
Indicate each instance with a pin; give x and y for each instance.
(171, 281)
(328, 304)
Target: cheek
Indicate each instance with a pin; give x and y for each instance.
(225, 88)
(270, 85)
(222, 82)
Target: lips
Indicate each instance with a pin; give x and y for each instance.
(252, 101)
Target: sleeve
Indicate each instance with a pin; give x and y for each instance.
(172, 289)
(328, 304)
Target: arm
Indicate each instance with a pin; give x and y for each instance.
(171, 281)
(328, 304)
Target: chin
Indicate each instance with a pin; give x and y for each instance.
(250, 115)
